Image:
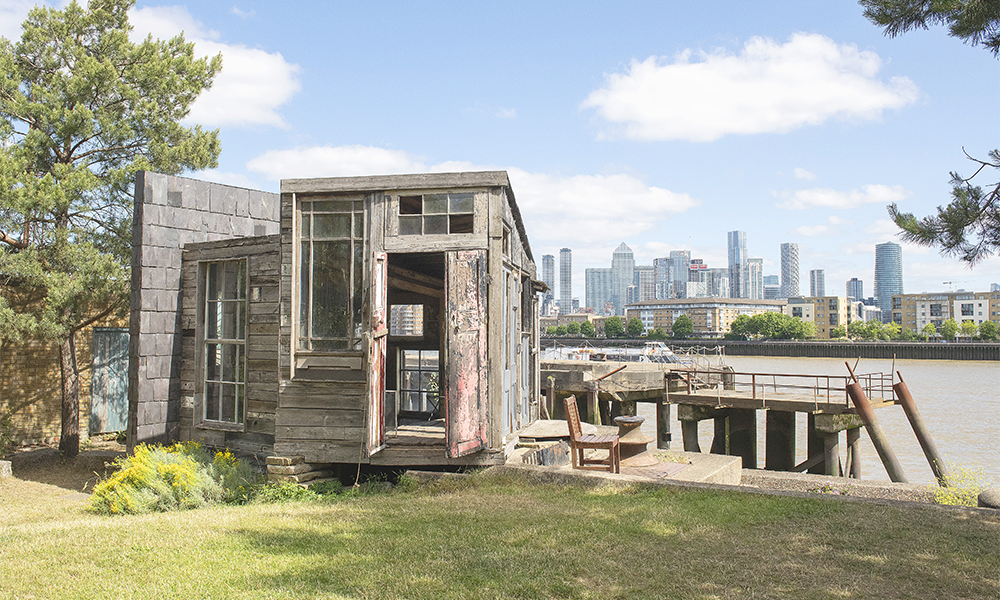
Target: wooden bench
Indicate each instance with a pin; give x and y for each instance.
(579, 443)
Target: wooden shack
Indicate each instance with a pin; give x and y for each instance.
(392, 321)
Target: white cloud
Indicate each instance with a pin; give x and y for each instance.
(828, 198)
(769, 87)
(12, 15)
(557, 209)
(252, 85)
(334, 161)
(242, 14)
(811, 230)
(803, 174)
(506, 113)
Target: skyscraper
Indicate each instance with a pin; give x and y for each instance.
(739, 286)
(622, 275)
(755, 278)
(598, 282)
(565, 281)
(817, 283)
(664, 268)
(549, 278)
(789, 270)
(888, 276)
(681, 259)
(856, 289)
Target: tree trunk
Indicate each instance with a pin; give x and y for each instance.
(69, 440)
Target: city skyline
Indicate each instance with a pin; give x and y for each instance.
(601, 117)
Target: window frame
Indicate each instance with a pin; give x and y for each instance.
(303, 338)
(404, 212)
(241, 326)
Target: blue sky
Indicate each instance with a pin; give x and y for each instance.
(662, 124)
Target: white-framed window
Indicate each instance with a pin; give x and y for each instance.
(419, 380)
(331, 273)
(225, 332)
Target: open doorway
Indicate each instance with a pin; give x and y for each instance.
(414, 395)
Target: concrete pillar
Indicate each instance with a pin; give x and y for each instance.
(689, 430)
(779, 453)
(720, 439)
(815, 446)
(854, 452)
(831, 454)
(593, 414)
(662, 425)
(743, 435)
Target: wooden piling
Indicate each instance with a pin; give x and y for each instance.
(663, 425)
(920, 430)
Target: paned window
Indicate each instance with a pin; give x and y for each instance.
(430, 214)
(225, 340)
(419, 380)
(331, 274)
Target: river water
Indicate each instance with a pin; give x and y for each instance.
(958, 400)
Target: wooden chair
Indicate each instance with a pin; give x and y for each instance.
(579, 442)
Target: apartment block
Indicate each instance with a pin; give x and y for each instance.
(915, 311)
(712, 317)
(824, 312)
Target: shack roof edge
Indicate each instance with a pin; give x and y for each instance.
(370, 183)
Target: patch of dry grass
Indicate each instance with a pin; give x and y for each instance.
(502, 537)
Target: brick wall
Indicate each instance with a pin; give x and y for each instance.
(30, 383)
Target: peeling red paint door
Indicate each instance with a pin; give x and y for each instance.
(465, 366)
(376, 357)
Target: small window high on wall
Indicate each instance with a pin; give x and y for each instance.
(430, 214)
(225, 340)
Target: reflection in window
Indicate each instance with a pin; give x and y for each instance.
(436, 214)
(225, 340)
(331, 238)
(419, 375)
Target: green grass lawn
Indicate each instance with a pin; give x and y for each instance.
(499, 536)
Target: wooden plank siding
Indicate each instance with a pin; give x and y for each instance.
(262, 255)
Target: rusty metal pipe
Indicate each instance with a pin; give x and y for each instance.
(920, 429)
(875, 432)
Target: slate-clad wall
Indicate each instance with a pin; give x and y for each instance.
(169, 213)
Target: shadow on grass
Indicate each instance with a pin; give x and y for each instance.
(549, 541)
(46, 465)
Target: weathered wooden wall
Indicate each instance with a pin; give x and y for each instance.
(263, 267)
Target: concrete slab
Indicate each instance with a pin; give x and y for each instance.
(547, 429)
(710, 468)
(5, 470)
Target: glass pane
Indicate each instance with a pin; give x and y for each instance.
(304, 230)
(241, 321)
(213, 291)
(460, 223)
(228, 320)
(411, 359)
(230, 359)
(213, 362)
(409, 225)
(304, 297)
(332, 226)
(411, 205)
(331, 289)
(212, 401)
(429, 381)
(435, 204)
(461, 203)
(228, 402)
(410, 380)
(437, 224)
(359, 225)
(410, 401)
(341, 206)
(233, 276)
(430, 359)
(359, 295)
(212, 324)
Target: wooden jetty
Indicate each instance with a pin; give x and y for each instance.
(731, 399)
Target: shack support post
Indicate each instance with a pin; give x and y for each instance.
(779, 449)
(920, 429)
(662, 424)
(743, 435)
(853, 468)
(593, 414)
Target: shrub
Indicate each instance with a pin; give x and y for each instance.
(283, 491)
(964, 486)
(181, 476)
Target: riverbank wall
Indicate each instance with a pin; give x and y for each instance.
(794, 349)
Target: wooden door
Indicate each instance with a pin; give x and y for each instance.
(376, 356)
(465, 389)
